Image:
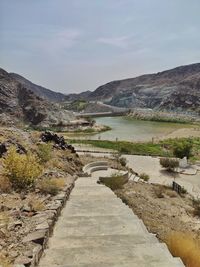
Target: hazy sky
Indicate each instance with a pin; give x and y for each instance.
(77, 45)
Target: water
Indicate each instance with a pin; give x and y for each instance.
(129, 129)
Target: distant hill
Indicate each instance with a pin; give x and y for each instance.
(18, 104)
(177, 89)
(39, 90)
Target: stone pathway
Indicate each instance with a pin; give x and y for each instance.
(97, 230)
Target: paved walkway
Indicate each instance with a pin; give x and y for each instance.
(97, 230)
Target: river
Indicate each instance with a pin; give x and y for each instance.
(129, 129)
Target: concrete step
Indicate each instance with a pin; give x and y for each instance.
(87, 182)
(91, 190)
(175, 263)
(98, 225)
(100, 241)
(137, 254)
(96, 208)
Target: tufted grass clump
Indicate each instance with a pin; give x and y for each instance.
(186, 247)
(21, 169)
(51, 186)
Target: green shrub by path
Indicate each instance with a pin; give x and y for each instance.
(144, 176)
(44, 152)
(169, 163)
(183, 149)
(116, 181)
(22, 170)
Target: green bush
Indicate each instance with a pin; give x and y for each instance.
(116, 181)
(44, 152)
(183, 149)
(123, 161)
(144, 176)
(169, 163)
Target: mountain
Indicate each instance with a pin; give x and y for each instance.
(177, 89)
(18, 104)
(39, 90)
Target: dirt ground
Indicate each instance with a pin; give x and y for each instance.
(162, 210)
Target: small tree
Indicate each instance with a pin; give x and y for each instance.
(169, 164)
(183, 149)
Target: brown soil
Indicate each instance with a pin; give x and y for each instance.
(162, 210)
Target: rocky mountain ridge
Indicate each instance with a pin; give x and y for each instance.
(39, 90)
(20, 105)
(177, 89)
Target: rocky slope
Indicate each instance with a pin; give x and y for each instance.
(18, 104)
(177, 89)
(39, 90)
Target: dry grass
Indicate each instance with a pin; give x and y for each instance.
(5, 185)
(184, 246)
(159, 192)
(4, 220)
(4, 261)
(36, 204)
(51, 186)
(171, 193)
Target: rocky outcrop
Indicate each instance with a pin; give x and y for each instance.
(58, 140)
(18, 104)
(177, 89)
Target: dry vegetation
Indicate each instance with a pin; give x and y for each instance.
(167, 215)
(28, 183)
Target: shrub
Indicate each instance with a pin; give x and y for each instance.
(144, 176)
(183, 149)
(184, 246)
(123, 161)
(5, 185)
(22, 170)
(169, 164)
(159, 191)
(44, 152)
(116, 181)
(51, 186)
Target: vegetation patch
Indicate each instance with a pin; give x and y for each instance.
(21, 169)
(116, 181)
(186, 247)
(51, 186)
(189, 147)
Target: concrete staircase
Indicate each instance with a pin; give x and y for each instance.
(96, 229)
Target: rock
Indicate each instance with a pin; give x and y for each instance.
(37, 253)
(5, 146)
(37, 237)
(23, 260)
(26, 208)
(58, 140)
(42, 226)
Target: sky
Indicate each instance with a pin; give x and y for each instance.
(77, 45)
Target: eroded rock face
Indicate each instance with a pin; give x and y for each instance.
(175, 89)
(5, 146)
(18, 104)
